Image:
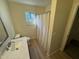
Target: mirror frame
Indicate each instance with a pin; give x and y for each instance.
(5, 32)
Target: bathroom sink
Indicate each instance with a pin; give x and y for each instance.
(20, 50)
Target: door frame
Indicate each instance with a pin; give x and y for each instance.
(69, 25)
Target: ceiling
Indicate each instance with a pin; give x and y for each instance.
(42, 3)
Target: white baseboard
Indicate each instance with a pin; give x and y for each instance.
(53, 52)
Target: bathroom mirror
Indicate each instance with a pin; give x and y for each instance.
(3, 33)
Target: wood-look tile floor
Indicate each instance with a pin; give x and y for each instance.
(57, 55)
(60, 55)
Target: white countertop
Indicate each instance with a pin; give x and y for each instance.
(22, 53)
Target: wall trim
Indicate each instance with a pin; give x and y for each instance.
(53, 52)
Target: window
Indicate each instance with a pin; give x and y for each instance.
(30, 17)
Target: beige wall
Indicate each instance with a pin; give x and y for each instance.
(76, 37)
(76, 6)
(76, 2)
(70, 22)
(61, 16)
(18, 18)
(5, 16)
(74, 32)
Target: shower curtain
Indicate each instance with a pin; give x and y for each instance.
(42, 29)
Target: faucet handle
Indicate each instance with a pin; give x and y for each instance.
(9, 44)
